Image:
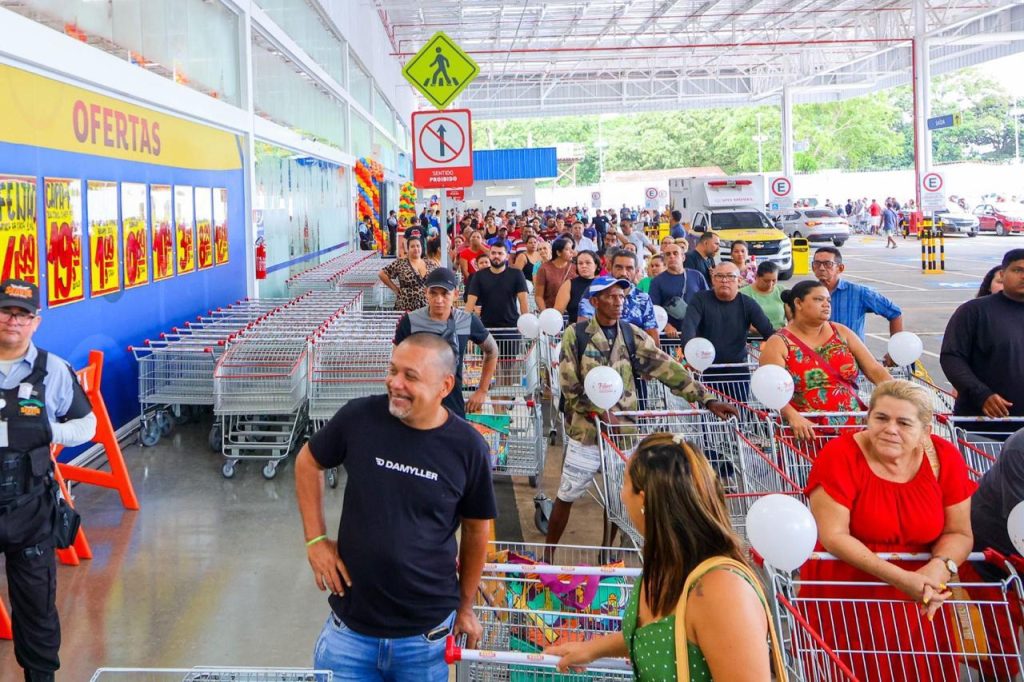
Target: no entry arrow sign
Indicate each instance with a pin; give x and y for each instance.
(442, 151)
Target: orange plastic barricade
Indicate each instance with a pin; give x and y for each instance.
(117, 478)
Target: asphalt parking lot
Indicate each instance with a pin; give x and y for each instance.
(927, 300)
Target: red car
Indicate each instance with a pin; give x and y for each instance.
(1002, 218)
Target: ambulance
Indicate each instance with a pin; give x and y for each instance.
(733, 208)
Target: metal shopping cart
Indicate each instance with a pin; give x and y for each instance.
(176, 370)
(524, 606)
(518, 373)
(212, 674)
(326, 275)
(363, 277)
(260, 382)
(841, 630)
(796, 455)
(747, 471)
(980, 439)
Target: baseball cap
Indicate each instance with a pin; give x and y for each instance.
(413, 233)
(19, 294)
(1011, 256)
(601, 283)
(442, 277)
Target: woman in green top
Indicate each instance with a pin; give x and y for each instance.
(655, 266)
(674, 497)
(766, 293)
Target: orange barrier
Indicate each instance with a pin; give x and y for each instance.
(117, 478)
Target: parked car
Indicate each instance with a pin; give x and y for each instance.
(954, 220)
(816, 225)
(1003, 218)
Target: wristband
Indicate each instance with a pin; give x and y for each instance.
(318, 538)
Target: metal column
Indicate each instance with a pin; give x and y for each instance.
(922, 98)
(787, 132)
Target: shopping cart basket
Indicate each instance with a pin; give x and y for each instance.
(840, 630)
(212, 674)
(980, 439)
(518, 373)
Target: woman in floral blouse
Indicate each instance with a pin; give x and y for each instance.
(824, 358)
(405, 276)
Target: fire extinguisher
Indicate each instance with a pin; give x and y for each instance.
(261, 259)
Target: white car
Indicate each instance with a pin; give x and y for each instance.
(816, 225)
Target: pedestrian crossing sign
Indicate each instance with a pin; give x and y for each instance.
(441, 70)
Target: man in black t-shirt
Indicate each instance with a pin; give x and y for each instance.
(600, 223)
(497, 290)
(415, 473)
(702, 257)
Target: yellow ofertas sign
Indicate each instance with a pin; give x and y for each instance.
(441, 70)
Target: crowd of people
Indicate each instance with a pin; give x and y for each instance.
(887, 484)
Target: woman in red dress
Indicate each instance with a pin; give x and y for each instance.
(893, 487)
(824, 358)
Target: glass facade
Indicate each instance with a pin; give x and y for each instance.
(303, 211)
(311, 31)
(193, 42)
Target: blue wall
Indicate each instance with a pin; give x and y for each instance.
(113, 322)
(515, 164)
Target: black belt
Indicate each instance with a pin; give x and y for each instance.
(37, 487)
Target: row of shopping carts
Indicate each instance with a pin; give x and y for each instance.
(260, 382)
(327, 275)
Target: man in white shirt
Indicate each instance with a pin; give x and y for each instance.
(628, 235)
(583, 243)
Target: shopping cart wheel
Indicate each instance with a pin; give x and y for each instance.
(163, 420)
(215, 437)
(532, 480)
(270, 470)
(181, 414)
(149, 433)
(542, 506)
(228, 470)
(332, 477)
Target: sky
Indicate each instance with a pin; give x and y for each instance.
(1007, 72)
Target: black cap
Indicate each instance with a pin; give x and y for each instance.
(19, 294)
(442, 277)
(1011, 256)
(413, 233)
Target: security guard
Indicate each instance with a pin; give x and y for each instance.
(41, 402)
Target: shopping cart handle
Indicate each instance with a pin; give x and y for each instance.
(454, 653)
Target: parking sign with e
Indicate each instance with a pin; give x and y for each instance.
(781, 187)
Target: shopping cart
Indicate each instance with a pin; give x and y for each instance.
(980, 439)
(796, 455)
(747, 471)
(212, 674)
(326, 275)
(260, 382)
(363, 277)
(525, 606)
(841, 630)
(513, 431)
(518, 373)
(176, 370)
(550, 350)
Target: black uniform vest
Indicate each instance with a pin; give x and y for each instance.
(25, 457)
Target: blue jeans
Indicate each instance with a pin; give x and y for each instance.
(361, 658)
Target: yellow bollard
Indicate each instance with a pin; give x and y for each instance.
(801, 256)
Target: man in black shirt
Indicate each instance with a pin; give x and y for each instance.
(415, 472)
(983, 352)
(999, 491)
(497, 290)
(702, 257)
(600, 224)
(723, 317)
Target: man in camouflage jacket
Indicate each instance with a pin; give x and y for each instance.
(606, 348)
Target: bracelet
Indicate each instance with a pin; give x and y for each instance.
(318, 538)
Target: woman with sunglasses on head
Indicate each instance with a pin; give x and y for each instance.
(697, 606)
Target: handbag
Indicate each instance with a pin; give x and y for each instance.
(823, 364)
(682, 653)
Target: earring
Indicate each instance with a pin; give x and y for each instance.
(642, 511)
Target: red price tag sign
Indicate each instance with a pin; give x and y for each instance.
(64, 283)
(19, 229)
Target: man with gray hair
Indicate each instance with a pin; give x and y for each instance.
(399, 583)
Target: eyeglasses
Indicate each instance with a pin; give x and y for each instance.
(826, 264)
(21, 319)
(725, 278)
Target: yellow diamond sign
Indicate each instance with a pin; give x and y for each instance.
(441, 70)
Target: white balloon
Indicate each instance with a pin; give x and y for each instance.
(550, 321)
(528, 325)
(905, 348)
(700, 353)
(782, 531)
(661, 317)
(1015, 527)
(603, 387)
(772, 385)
